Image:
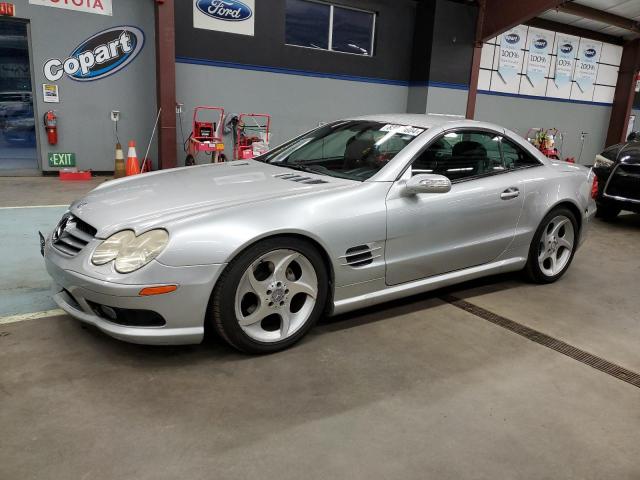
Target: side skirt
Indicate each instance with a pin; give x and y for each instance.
(388, 293)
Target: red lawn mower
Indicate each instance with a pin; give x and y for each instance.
(251, 135)
(205, 135)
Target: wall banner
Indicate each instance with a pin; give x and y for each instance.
(101, 7)
(99, 56)
(511, 54)
(539, 48)
(566, 52)
(231, 16)
(587, 66)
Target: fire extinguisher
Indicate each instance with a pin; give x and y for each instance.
(51, 126)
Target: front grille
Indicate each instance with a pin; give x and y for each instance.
(72, 235)
(625, 182)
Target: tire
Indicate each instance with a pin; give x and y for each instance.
(553, 246)
(607, 212)
(270, 295)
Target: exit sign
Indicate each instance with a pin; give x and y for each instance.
(62, 159)
(7, 9)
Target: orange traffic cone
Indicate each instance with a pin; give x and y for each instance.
(119, 170)
(133, 167)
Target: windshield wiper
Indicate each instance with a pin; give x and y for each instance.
(304, 168)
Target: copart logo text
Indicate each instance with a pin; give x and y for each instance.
(99, 56)
(512, 38)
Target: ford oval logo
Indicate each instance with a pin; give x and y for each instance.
(99, 56)
(228, 10)
(590, 53)
(540, 43)
(566, 48)
(512, 38)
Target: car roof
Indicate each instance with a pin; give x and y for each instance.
(417, 120)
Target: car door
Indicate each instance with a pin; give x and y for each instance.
(472, 224)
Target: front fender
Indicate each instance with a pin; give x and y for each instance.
(335, 220)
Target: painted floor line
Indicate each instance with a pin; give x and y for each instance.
(31, 316)
(33, 206)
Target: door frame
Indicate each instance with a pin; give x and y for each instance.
(34, 99)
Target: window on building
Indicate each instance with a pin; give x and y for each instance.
(330, 27)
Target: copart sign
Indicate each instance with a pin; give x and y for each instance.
(101, 7)
(99, 56)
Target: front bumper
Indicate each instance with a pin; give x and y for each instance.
(183, 310)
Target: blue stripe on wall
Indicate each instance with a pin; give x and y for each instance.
(546, 99)
(382, 81)
(290, 71)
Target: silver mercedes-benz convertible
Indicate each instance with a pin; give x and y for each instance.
(351, 214)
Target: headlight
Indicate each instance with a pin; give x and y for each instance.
(130, 252)
(602, 162)
(109, 249)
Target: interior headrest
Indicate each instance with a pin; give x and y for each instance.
(469, 148)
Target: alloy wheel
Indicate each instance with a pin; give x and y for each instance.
(556, 245)
(276, 295)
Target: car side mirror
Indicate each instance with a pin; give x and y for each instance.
(427, 183)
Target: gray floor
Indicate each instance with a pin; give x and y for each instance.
(414, 389)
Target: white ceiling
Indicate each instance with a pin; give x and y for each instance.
(624, 8)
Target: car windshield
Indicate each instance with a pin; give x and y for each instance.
(354, 149)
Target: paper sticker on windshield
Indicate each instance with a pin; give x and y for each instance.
(402, 129)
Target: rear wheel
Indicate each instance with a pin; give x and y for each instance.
(553, 246)
(270, 296)
(607, 212)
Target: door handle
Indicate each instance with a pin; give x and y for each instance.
(510, 193)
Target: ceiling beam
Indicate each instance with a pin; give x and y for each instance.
(501, 15)
(575, 31)
(591, 13)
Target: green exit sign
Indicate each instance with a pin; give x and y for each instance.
(62, 159)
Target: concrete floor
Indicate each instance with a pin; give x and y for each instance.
(413, 389)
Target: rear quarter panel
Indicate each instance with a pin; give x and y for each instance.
(549, 185)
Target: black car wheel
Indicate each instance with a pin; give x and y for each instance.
(607, 212)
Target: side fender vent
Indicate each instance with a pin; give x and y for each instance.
(360, 255)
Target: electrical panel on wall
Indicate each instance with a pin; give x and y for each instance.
(541, 63)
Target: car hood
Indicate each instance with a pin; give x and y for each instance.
(158, 198)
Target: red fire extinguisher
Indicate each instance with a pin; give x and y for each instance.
(51, 126)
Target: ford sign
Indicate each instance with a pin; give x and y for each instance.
(99, 56)
(566, 48)
(512, 38)
(227, 10)
(590, 53)
(540, 43)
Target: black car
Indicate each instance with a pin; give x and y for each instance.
(618, 171)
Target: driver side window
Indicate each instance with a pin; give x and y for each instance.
(461, 155)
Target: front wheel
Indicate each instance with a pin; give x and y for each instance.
(553, 246)
(270, 296)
